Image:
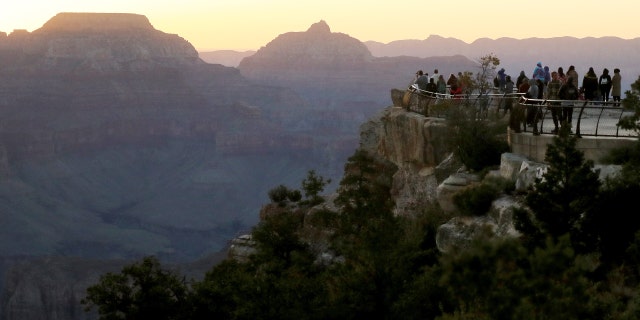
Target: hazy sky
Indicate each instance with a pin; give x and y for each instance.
(251, 24)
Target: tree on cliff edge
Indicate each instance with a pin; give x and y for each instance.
(559, 199)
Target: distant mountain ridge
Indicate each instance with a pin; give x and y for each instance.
(520, 54)
(335, 70)
(229, 58)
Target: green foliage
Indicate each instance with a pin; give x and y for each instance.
(628, 155)
(383, 266)
(476, 200)
(478, 144)
(142, 290)
(632, 102)
(609, 221)
(313, 185)
(294, 195)
(224, 293)
(569, 188)
(365, 235)
(483, 80)
(365, 202)
(421, 296)
(503, 280)
(277, 236)
(281, 194)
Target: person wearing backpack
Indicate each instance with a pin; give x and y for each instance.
(604, 84)
(568, 91)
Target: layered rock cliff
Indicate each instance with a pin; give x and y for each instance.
(117, 141)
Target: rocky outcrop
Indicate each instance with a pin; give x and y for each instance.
(459, 232)
(428, 174)
(416, 145)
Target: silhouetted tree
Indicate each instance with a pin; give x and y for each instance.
(559, 199)
(632, 102)
(313, 185)
(141, 290)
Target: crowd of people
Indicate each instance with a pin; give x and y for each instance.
(556, 85)
(544, 83)
(594, 88)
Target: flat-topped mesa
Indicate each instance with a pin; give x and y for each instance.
(84, 21)
(96, 42)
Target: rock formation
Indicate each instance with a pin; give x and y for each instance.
(117, 141)
(334, 70)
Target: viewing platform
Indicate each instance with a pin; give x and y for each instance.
(593, 122)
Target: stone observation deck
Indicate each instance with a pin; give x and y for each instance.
(595, 123)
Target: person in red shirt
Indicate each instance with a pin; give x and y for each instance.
(455, 91)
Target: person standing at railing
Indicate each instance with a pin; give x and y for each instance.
(465, 82)
(442, 85)
(590, 84)
(422, 80)
(568, 91)
(553, 91)
(532, 107)
(573, 74)
(604, 84)
(452, 79)
(455, 91)
(547, 78)
(538, 74)
(502, 79)
(517, 116)
(522, 78)
(435, 75)
(561, 76)
(432, 88)
(616, 87)
(508, 89)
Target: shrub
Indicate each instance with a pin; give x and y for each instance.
(279, 194)
(476, 200)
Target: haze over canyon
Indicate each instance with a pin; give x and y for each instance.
(118, 140)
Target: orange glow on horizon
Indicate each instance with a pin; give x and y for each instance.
(251, 24)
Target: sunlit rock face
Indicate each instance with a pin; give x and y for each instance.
(74, 22)
(102, 42)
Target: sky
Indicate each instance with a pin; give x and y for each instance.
(251, 24)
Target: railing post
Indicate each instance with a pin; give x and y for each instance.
(579, 118)
(604, 105)
(619, 118)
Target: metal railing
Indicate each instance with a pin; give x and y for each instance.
(426, 102)
(588, 118)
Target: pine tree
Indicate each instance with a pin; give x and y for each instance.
(566, 191)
